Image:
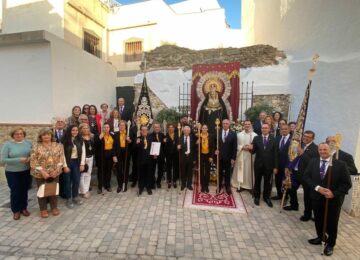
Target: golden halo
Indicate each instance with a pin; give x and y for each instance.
(144, 120)
(212, 82)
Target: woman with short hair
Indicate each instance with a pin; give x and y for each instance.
(47, 160)
(15, 154)
(114, 121)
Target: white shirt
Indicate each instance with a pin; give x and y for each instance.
(187, 140)
(326, 167)
(225, 134)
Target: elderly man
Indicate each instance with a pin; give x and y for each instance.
(59, 130)
(258, 123)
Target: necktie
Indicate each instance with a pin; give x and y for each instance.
(121, 109)
(282, 144)
(225, 133)
(157, 137)
(187, 145)
(322, 169)
(265, 141)
(145, 143)
(60, 134)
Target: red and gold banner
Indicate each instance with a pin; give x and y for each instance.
(215, 92)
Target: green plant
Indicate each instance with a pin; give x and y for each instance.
(168, 114)
(252, 113)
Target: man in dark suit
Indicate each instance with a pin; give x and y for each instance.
(144, 160)
(227, 153)
(282, 145)
(258, 123)
(134, 134)
(328, 179)
(265, 164)
(187, 150)
(59, 131)
(159, 161)
(342, 156)
(307, 150)
(125, 111)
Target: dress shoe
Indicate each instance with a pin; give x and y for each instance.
(87, 195)
(190, 188)
(169, 186)
(149, 191)
(175, 185)
(305, 218)
(276, 197)
(268, 202)
(25, 212)
(78, 201)
(109, 189)
(55, 212)
(329, 250)
(291, 208)
(257, 201)
(228, 191)
(158, 185)
(99, 191)
(44, 214)
(207, 190)
(118, 190)
(238, 190)
(16, 216)
(315, 241)
(69, 203)
(125, 189)
(182, 188)
(141, 191)
(133, 184)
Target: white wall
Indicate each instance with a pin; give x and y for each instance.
(26, 93)
(301, 28)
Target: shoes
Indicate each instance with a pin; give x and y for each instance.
(44, 214)
(16, 216)
(190, 188)
(278, 197)
(133, 184)
(25, 212)
(268, 202)
(206, 190)
(182, 188)
(174, 185)
(202, 190)
(141, 191)
(257, 201)
(99, 191)
(125, 189)
(238, 190)
(149, 191)
(87, 195)
(315, 241)
(158, 185)
(78, 201)
(228, 191)
(329, 250)
(109, 189)
(288, 208)
(305, 218)
(69, 203)
(118, 190)
(169, 185)
(55, 212)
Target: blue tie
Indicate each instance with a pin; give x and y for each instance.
(282, 144)
(322, 169)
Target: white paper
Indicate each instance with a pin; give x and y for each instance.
(155, 148)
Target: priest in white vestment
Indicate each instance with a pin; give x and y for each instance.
(243, 169)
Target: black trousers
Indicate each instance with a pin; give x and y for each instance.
(224, 173)
(186, 171)
(18, 183)
(261, 172)
(122, 168)
(204, 170)
(159, 162)
(293, 195)
(172, 168)
(134, 170)
(144, 173)
(104, 174)
(279, 177)
(333, 216)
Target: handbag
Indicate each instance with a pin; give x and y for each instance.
(48, 189)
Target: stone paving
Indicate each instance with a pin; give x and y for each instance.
(124, 226)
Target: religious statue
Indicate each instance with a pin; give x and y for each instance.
(213, 106)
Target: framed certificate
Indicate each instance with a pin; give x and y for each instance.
(155, 148)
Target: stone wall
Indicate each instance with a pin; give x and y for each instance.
(279, 102)
(171, 56)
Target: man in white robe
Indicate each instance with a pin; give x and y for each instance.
(243, 169)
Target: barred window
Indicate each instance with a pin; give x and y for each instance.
(92, 44)
(133, 51)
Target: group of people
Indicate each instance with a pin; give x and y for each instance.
(113, 141)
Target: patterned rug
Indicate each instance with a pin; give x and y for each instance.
(214, 202)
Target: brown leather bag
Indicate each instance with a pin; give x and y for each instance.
(48, 189)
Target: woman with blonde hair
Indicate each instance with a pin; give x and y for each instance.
(47, 160)
(85, 176)
(15, 154)
(114, 121)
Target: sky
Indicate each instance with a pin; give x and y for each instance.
(232, 9)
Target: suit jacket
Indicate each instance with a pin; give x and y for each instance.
(265, 156)
(126, 113)
(340, 181)
(193, 150)
(161, 157)
(283, 154)
(143, 155)
(310, 152)
(57, 137)
(228, 149)
(170, 145)
(348, 160)
(257, 127)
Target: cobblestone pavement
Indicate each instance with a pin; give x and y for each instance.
(124, 226)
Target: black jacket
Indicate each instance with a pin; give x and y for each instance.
(310, 152)
(143, 155)
(283, 154)
(349, 161)
(265, 156)
(257, 127)
(68, 149)
(228, 149)
(126, 114)
(340, 181)
(193, 150)
(170, 145)
(161, 137)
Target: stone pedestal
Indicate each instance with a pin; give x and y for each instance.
(352, 200)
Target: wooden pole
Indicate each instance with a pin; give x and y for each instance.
(217, 123)
(199, 156)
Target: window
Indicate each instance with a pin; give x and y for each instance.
(133, 51)
(92, 44)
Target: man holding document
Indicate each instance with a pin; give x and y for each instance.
(157, 152)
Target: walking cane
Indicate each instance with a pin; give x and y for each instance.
(217, 123)
(126, 154)
(165, 164)
(179, 143)
(138, 125)
(102, 164)
(199, 156)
